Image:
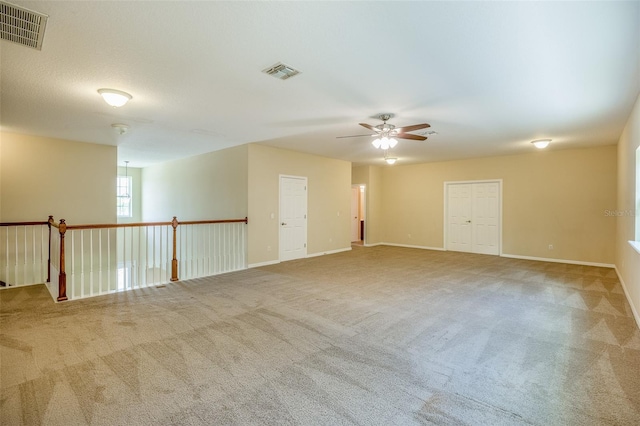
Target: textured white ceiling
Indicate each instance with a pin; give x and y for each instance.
(488, 76)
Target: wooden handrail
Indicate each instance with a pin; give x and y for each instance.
(118, 225)
(204, 222)
(22, 223)
(138, 224)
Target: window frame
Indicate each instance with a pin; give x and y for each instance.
(123, 202)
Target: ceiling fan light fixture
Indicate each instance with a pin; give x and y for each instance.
(541, 143)
(376, 143)
(384, 143)
(392, 142)
(391, 160)
(115, 98)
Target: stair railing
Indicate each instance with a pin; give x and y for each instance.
(25, 255)
(105, 258)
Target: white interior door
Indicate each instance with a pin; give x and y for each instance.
(485, 220)
(473, 217)
(355, 221)
(293, 217)
(459, 220)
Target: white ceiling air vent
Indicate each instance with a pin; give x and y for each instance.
(281, 71)
(21, 25)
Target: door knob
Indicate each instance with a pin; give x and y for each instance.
(283, 224)
(468, 221)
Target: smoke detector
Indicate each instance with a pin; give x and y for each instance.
(281, 71)
(22, 26)
(120, 129)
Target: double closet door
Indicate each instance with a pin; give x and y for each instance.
(473, 217)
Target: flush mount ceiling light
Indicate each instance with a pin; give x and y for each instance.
(541, 143)
(389, 160)
(115, 98)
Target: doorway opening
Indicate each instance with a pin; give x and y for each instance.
(358, 213)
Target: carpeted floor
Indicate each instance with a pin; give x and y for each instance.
(374, 336)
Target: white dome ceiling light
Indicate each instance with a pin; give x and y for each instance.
(115, 98)
(541, 143)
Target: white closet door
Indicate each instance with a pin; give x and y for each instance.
(459, 220)
(485, 218)
(473, 217)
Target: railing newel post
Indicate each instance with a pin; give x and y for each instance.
(62, 278)
(174, 261)
(49, 222)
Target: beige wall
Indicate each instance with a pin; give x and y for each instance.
(627, 259)
(0, 177)
(554, 197)
(136, 194)
(71, 180)
(329, 193)
(207, 186)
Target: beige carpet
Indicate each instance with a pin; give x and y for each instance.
(375, 336)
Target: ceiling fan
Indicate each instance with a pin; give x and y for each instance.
(386, 134)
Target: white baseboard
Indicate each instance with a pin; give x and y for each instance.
(626, 293)
(570, 262)
(273, 262)
(416, 247)
(372, 245)
(259, 264)
(329, 252)
(7, 287)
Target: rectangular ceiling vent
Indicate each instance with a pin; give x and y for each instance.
(21, 25)
(281, 71)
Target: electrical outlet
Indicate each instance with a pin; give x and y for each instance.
(268, 248)
(550, 246)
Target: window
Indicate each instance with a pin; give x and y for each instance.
(123, 196)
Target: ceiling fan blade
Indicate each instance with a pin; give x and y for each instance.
(412, 128)
(370, 127)
(352, 136)
(410, 136)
